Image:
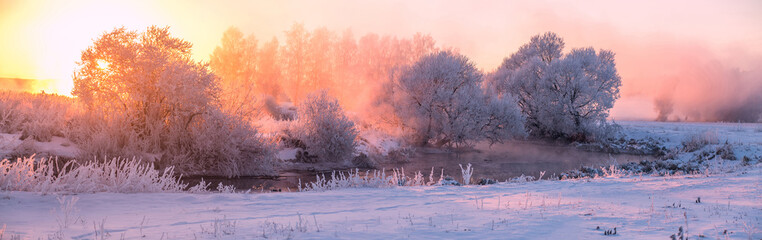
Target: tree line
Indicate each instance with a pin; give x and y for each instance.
(144, 94)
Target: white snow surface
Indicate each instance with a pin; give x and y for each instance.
(58, 146)
(639, 207)
(672, 133)
(287, 153)
(377, 142)
(745, 138)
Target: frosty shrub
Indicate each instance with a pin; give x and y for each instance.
(466, 173)
(152, 98)
(98, 135)
(368, 179)
(10, 117)
(697, 141)
(115, 175)
(562, 95)
(37, 116)
(324, 128)
(221, 144)
(439, 100)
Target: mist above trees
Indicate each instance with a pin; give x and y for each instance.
(307, 61)
(560, 95)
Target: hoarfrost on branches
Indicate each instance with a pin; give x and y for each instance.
(567, 96)
(439, 100)
(325, 129)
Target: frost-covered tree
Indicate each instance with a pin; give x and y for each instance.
(165, 105)
(346, 74)
(148, 76)
(324, 128)
(500, 119)
(269, 69)
(440, 99)
(320, 60)
(566, 96)
(235, 63)
(295, 61)
(246, 71)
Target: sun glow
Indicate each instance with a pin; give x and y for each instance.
(41, 41)
(49, 37)
(102, 64)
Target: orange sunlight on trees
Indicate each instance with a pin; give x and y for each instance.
(146, 96)
(235, 62)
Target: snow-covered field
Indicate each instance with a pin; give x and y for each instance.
(674, 132)
(634, 206)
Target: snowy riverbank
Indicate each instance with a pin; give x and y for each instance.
(639, 207)
(717, 203)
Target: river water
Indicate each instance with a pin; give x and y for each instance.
(499, 161)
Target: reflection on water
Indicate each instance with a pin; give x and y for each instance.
(500, 162)
(512, 159)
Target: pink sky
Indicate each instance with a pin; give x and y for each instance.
(699, 54)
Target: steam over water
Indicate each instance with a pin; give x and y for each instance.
(499, 162)
(512, 159)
